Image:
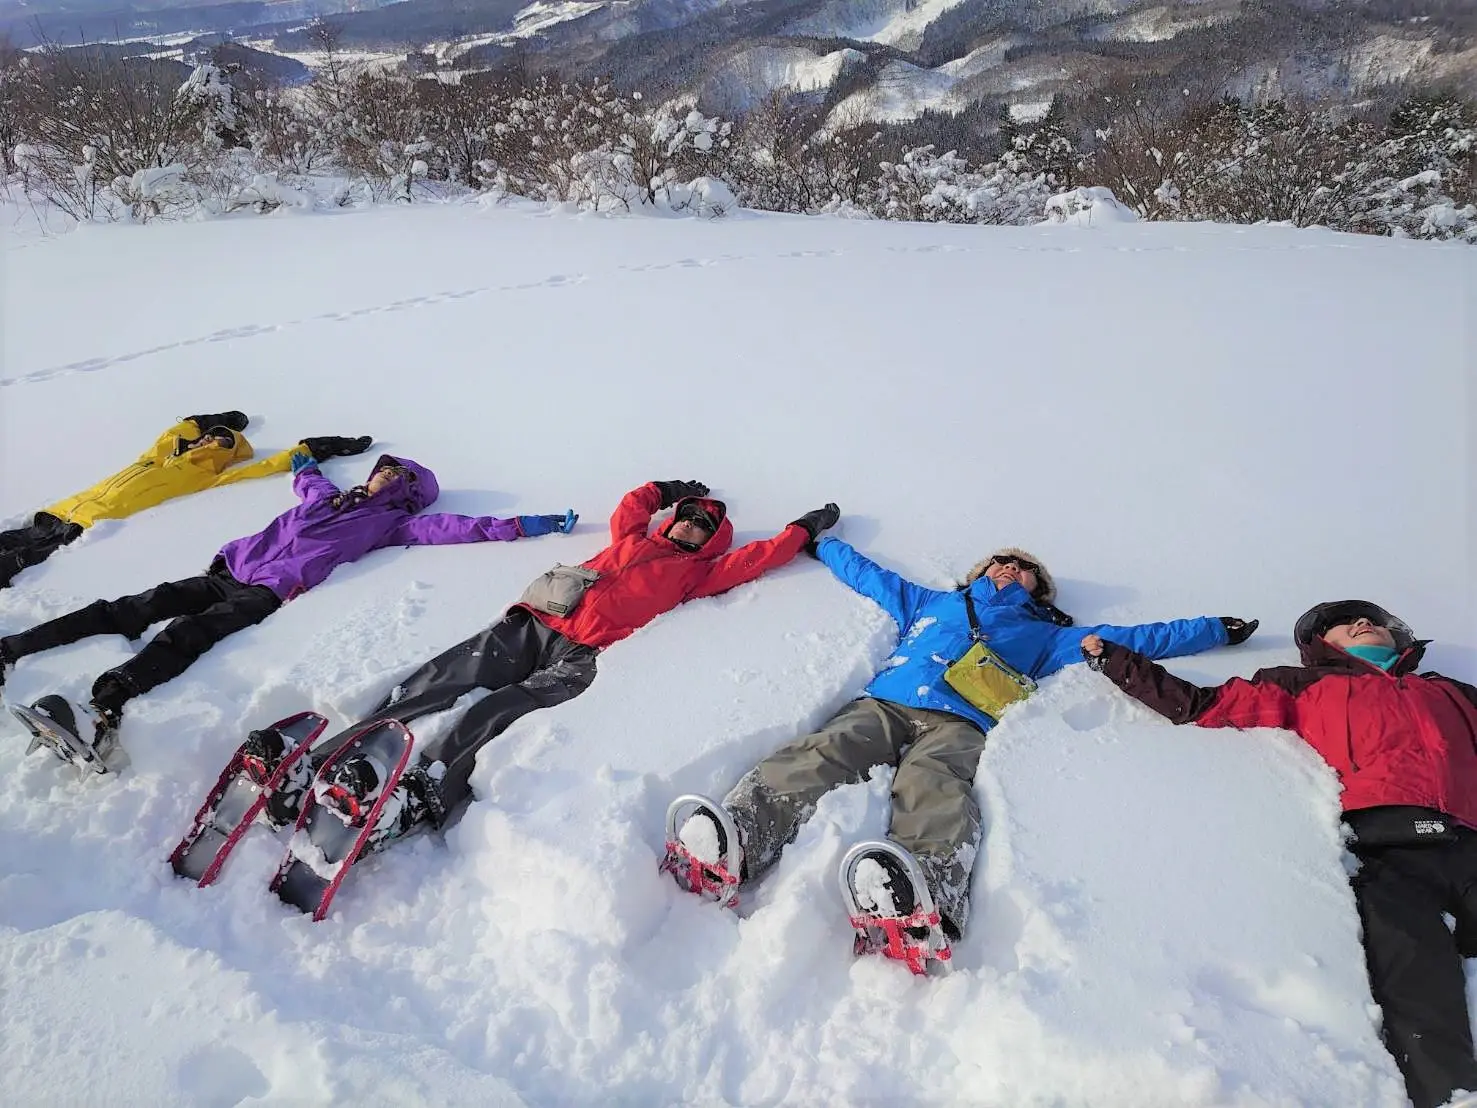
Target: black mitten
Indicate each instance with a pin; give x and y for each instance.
(336, 446)
(1238, 630)
(236, 421)
(673, 491)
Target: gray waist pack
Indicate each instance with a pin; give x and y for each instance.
(560, 590)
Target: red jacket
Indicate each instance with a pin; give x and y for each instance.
(643, 575)
(1393, 737)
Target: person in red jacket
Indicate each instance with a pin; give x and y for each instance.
(1404, 746)
(536, 657)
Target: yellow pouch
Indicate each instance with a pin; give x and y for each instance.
(983, 679)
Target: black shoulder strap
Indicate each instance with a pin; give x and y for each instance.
(974, 623)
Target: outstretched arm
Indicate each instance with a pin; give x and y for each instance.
(1155, 640)
(752, 560)
(446, 529)
(1237, 703)
(308, 480)
(279, 462)
(898, 596)
(633, 514)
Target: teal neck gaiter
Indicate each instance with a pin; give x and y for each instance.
(1382, 656)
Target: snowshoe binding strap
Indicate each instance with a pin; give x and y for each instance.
(712, 879)
(261, 754)
(914, 935)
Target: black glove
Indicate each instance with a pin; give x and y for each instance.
(236, 421)
(673, 491)
(815, 522)
(336, 446)
(1238, 630)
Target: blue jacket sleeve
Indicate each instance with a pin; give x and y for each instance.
(1153, 640)
(899, 597)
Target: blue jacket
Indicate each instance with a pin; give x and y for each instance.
(935, 633)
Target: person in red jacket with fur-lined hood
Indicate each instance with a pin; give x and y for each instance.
(1404, 746)
(542, 651)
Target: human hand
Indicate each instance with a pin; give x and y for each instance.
(1238, 630)
(673, 491)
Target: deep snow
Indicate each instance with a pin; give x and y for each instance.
(1180, 419)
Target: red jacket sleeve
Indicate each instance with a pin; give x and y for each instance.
(1237, 703)
(751, 560)
(633, 514)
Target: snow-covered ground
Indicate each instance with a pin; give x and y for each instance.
(1180, 419)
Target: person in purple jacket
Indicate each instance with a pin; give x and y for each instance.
(254, 576)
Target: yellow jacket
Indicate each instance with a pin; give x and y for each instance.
(167, 470)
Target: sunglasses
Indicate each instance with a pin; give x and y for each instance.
(1019, 563)
(399, 471)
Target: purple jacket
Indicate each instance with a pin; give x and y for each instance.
(300, 548)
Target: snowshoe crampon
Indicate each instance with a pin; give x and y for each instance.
(891, 909)
(712, 869)
(327, 840)
(54, 724)
(267, 761)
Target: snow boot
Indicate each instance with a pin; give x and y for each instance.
(415, 802)
(352, 788)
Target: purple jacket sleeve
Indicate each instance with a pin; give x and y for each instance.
(311, 485)
(444, 529)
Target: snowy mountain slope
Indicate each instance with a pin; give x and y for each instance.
(1180, 419)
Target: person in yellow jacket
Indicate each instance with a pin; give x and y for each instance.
(199, 452)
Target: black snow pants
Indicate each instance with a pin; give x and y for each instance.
(525, 666)
(203, 610)
(32, 545)
(1415, 960)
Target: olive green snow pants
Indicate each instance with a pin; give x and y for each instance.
(934, 812)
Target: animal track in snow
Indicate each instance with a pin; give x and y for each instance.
(251, 330)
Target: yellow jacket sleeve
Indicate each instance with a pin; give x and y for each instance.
(280, 462)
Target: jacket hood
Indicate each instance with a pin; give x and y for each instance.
(213, 456)
(1315, 650)
(415, 494)
(1045, 588)
(721, 539)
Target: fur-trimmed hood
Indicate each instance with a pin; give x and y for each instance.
(1045, 586)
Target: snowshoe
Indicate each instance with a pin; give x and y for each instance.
(704, 854)
(269, 763)
(341, 812)
(891, 908)
(84, 737)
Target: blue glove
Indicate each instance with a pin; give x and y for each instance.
(533, 526)
(303, 460)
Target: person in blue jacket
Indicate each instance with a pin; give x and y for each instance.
(913, 719)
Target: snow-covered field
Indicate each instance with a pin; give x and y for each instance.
(1180, 419)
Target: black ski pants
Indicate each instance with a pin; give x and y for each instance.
(33, 544)
(203, 610)
(1415, 960)
(523, 663)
